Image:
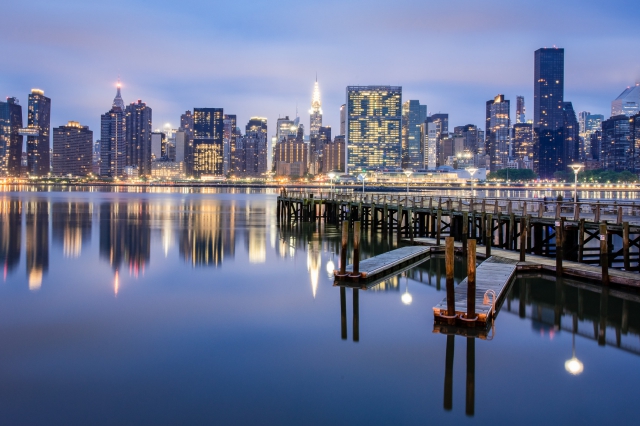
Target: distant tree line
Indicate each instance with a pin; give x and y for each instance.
(513, 174)
(598, 176)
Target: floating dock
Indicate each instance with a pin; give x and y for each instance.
(384, 263)
(493, 274)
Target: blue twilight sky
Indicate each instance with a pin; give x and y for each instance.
(261, 57)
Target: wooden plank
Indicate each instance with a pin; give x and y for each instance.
(493, 274)
(386, 261)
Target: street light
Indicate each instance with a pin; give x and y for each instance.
(362, 177)
(331, 176)
(576, 168)
(472, 171)
(408, 173)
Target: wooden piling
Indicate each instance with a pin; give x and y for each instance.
(488, 234)
(465, 231)
(356, 249)
(559, 245)
(523, 239)
(604, 254)
(471, 280)
(343, 250)
(449, 260)
(625, 245)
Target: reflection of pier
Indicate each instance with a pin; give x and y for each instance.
(470, 390)
(608, 316)
(356, 313)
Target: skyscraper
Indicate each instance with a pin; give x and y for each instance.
(587, 124)
(471, 137)
(343, 119)
(522, 142)
(72, 150)
(186, 125)
(374, 127)
(628, 103)
(315, 113)
(229, 140)
(208, 148)
(520, 110)
(38, 127)
(435, 128)
(138, 117)
(254, 148)
(571, 134)
(498, 124)
(634, 141)
(413, 115)
(616, 152)
(548, 120)
(10, 137)
(113, 156)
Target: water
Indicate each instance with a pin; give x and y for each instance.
(194, 307)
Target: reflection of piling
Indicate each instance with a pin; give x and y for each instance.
(471, 280)
(343, 251)
(356, 249)
(451, 309)
(471, 376)
(448, 374)
(604, 302)
(343, 312)
(356, 315)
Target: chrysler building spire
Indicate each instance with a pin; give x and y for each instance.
(117, 101)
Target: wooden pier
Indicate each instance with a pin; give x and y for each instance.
(384, 263)
(554, 229)
(493, 274)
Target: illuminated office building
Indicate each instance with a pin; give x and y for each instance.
(471, 136)
(520, 110)
(617, 153)
(113, 157)
(571, 134)
(628, 103)
(434, 129)
(413, 115)
(138, 117)
(315, 113)
(251, 156)
(333, 155)
(634, 141)
(374, 127)
(208, 124)
(228, 141)
(343, 119)
(10, 138)
(38, 128)
(588, 124)
(498, 124)
(186, 126)
(548, 112)
(72, 150)
(522, 141)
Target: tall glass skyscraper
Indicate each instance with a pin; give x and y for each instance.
(374, 127)
(498, 124)
(113, 156)
(208, 127)
(315, 113)
(10, 138)
(548, 112)
(39, 124)
(138, 130)
(413, 115)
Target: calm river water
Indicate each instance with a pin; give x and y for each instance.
(194, 307)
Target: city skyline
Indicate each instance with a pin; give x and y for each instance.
(278, 86)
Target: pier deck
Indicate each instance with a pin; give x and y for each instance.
(385, 263)
(533, 262)
(493, 274)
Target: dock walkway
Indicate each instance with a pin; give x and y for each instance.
(535, 262)
(385, 263)
(493, 274)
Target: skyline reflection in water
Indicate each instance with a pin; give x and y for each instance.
(182, 307)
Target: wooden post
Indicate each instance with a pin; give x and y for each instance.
(448, 255)
(471, 280)
(448, 373)
(625, 245)
(356, 249)
(580, 240)
(343, 251)
(523, 239)
(619, 218)
(399, 222)
(465, 231)
(559, 244)
(604, 254)
(411, 225)
(576, 211)
(540, 210)
(438, 226)
(511, 235)
(488, 234)
(596, 217)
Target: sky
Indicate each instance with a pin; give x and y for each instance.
(260, 58)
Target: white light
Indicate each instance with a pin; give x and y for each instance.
(330, 268)
(407, 299)
(574, 366)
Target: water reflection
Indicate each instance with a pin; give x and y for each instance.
(10, 235)
(37, 219)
